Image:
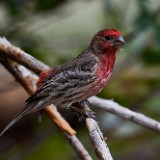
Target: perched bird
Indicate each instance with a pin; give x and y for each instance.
(80, 78)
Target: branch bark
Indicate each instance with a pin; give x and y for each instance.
(96, 136)
(117, 109)
(16, 54)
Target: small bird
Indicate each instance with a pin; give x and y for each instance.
(80, 78)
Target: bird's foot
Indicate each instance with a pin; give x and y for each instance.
(83, 110)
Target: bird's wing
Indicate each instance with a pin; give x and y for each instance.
(74, 74)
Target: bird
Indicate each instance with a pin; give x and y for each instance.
(78, 79)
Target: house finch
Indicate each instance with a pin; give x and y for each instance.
(80, 78)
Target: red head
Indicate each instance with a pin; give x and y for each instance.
(106, 41)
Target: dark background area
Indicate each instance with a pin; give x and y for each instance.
(55, 31)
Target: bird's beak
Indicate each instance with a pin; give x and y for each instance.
(119, 41)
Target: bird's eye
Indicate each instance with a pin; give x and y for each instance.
(107, 37)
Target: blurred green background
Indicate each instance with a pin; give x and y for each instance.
(55, 31)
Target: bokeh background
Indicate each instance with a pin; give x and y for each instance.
(55, 31)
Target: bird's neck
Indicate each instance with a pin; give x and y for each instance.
(107, 62)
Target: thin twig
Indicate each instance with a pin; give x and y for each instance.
(13, 68)
(81, 151)
(115, 108)
(97, 139)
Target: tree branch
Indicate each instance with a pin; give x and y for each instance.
(115, 108)
(79, 148)
(16, 54)
(100, 146)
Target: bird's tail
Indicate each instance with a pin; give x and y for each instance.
(22, 113)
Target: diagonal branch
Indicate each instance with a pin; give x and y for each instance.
(115, 108)
(15, 53)
(96, 136)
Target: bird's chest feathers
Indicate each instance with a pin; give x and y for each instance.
(105, 69)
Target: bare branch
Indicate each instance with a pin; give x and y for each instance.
(59, 120)
(100, 146)
(16, 54)
(96, 136)
(81, 151)
(115, 108)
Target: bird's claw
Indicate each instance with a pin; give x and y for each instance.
(88, 114)
(83, 111)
